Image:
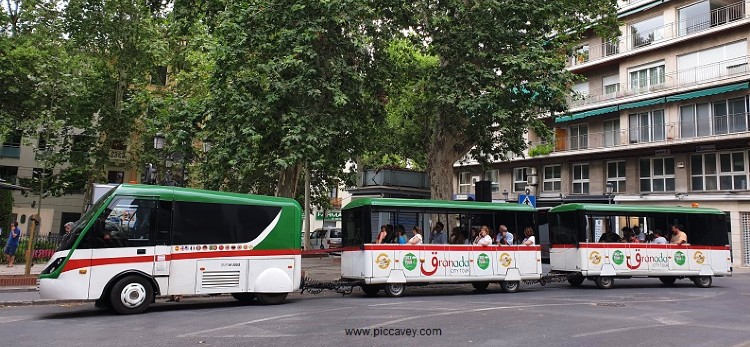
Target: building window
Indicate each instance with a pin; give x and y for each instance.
(611, 47)
(657, 175)
(706, 14)
(520, 179)
(647, 31)
(582, 54)
(616, 175)
(612, 133)
(580, 91)
(645, 79)
(580, 178)
(9, 174)
(493, 176)
(730, 115)
(611, 86)
(464, 182)
(552, 178)
(713, 63)
(12, 146)
(579, 136)
(115, 177)
(647, 126)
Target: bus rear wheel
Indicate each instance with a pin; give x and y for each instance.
(668, 280)
(244, 298)
(510, 286)
(703, 281)
(604, 282)
(370, 289)
(394, 289)
(480, 286)
(271, 298)
(576, 279)
(131, 294)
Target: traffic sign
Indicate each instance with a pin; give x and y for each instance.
(527, 200)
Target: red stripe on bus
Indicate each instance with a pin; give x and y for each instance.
(73, 264)
(638, 245)
(389, 247)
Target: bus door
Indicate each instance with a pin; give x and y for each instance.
(122, 239)
(163, 248)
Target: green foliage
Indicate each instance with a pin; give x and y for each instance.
(541, 149)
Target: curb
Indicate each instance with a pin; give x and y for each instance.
(18, 280)
(39, 302)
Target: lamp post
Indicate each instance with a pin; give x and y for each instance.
(610, 192)
(505, 195)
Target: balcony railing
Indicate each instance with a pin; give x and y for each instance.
(731, 68)
(675, 132)
(688, 26)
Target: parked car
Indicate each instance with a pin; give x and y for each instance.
(328, 237)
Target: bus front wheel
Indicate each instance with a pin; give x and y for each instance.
(370, 289)
(271, 298)
(394, 289)
(131, 294)
(703, 281)
(510, 286)
(604, 282)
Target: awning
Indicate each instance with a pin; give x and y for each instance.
(709, 91)
(642, 103)
(641, 8)
(589, 113)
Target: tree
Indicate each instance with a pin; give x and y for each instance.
(6, 209)
(290, 91)
(498, 66)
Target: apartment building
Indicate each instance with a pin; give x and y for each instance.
(18, 159)
(661, 118)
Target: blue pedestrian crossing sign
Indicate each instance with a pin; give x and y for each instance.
(527, 200)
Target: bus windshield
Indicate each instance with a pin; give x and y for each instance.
(79, 225)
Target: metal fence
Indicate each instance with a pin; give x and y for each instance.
(44, 247)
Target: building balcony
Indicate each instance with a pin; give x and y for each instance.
(721, 72)
(714, 129)
(722, 17)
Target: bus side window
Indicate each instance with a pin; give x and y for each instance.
(164, 230)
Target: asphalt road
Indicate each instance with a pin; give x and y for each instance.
(637, 312)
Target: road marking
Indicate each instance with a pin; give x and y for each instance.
(260, 320)
(12, 319)
(616, 330)
(393, 303)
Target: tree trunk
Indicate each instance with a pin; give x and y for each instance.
(288, 178)
(445, 148)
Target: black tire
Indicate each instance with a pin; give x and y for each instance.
(371, 289)
(703, 281)
(394, 289)
(271, 298)
(576, 280)
(510, 286)
(668, 280)
(604, 282)
(244, 298)
(131, 294)
(480, 286)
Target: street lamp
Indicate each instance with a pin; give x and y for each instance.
(610, 192)
(505, 195)
(207, 145)
(159, 141)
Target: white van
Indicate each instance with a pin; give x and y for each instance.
(328, 237)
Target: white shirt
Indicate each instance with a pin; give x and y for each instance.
(416, 240)
(485, 241)
(530, 238)
(660, 240)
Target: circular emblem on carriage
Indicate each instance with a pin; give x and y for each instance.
(595, 258)
(383, 261)
(699, 257)
(618, 257)
(410, 261)
(679, 258)
(483, 261)
(505, 259)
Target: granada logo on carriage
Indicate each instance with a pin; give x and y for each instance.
(457, 266)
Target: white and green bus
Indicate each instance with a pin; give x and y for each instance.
(139, 242)
(447, 253)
